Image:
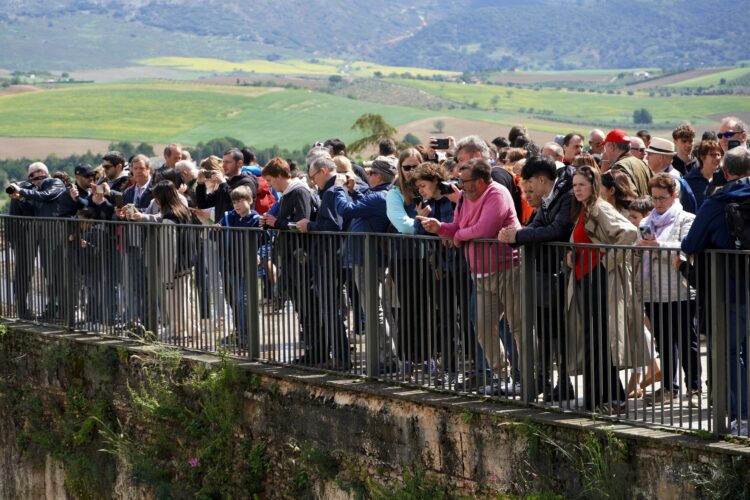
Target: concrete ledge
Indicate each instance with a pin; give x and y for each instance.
(466, 439)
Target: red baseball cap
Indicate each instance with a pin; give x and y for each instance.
(618, 136)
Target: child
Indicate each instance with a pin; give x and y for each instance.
(639, 209)
(232, 244)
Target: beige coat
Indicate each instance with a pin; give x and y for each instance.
(606, 226)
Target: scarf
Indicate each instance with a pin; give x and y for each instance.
(662, 223)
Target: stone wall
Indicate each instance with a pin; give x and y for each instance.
(297, 433)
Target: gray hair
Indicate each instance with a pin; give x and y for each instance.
(315, 153)
(322, 162)
(186, 165)
(473, 144)
(554, 147)
(736, 124)
(37, 166)
(737, 161)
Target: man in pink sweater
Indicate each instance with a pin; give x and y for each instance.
(484, 208)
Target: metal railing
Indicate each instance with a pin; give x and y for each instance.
(576, 327)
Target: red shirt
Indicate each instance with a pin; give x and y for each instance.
(586, 258)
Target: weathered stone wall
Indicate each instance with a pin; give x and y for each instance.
(339, 437)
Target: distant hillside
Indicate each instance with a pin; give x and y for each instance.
(446, 34)
(582, 34)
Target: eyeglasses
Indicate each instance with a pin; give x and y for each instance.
(462, 182)
(727, 134)
(407, 168)
(312, 175)
(661, 198)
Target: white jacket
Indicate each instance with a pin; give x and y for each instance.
(663, 283)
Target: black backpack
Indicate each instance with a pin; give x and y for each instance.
(738, 222)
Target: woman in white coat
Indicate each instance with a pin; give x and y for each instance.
(668, 298)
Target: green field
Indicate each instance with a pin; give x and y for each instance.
(189, 114)
(584, 105)
(713, 79)
(322, 67)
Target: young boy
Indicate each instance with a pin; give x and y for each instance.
(639, 210)
(232, 245)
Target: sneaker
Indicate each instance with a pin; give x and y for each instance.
(613, 408)
(738, 428)
(660, 396)
(510, 387)
(694, 398)
(488, 386)
(561, 394)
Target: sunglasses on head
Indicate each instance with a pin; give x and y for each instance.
(727, 134)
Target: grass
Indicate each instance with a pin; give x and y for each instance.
(188, 113)
(209, 65)
(714, 78)
(320, 67)
(366, 69)
(565, 104)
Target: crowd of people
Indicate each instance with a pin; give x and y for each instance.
(452, 291)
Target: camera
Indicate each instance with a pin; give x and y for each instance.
(446, 187)
(10, 190)
(440, 144)
(208, 174)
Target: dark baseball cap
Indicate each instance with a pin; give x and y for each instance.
(85, 170)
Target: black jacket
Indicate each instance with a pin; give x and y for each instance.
(220, 199)
(551, 221)
(50, 200)
(295, 205)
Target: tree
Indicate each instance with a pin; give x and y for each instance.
(375, 130)
(411, 139)
(439, 126)
(642, 116)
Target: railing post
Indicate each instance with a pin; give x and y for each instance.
(10, 292)
(252, 319)
(70, 281)
(371, 305)
(528, 316)
(152, 278)
(718, 339)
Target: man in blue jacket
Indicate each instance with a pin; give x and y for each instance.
(710, 230)
(325, 256)
(366, 210)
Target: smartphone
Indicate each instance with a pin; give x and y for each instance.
(418, 200)
(645, 233)
(733, 144)
(292, 226)
(118, 200)
(441, 144)
(100, 189)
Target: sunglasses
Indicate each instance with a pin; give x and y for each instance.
(407, 168)
(727, 134)
(37, 178)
